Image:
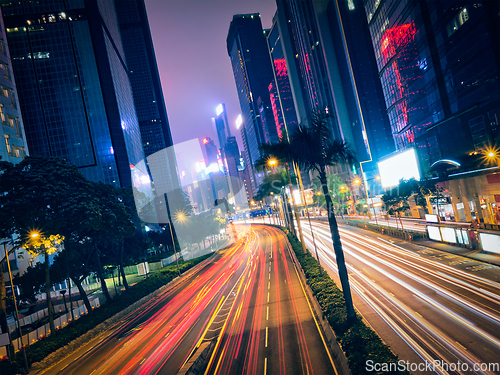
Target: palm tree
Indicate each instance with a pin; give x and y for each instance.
(313, 149)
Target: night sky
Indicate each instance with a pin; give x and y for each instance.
(189, 38)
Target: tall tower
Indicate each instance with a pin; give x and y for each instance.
(146, 87)
(282, 99)
(221, 126)
(74, 91)
(247, 48)
(13, 142)
(439, 67)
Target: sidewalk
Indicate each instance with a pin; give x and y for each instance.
(462, 251)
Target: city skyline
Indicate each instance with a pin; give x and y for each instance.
(193, 88)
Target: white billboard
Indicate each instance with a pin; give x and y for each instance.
(403, 165)
(490, 242)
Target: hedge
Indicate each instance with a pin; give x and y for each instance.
(43, 348)
(359, 342)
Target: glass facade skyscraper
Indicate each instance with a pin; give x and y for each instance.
(247, 48)
(147, 91)
(74, 90)
(280, 91)
(438, 64)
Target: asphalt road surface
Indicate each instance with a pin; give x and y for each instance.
(248, 303)
(426, 304)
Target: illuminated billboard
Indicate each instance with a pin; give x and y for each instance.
(403, 165)
(490, 242)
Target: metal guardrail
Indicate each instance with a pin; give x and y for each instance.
(390, 231)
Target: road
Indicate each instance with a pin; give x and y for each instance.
(426, 304)
(248, 303)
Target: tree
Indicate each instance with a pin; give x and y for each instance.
(39, 245)
(337, 191)
(272, 183)
(396, 199)
(39, 193)
(313, 148)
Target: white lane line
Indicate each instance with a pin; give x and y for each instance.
(267, 297)
(269, 276)
(266, 337)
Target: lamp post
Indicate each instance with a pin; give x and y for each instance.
(273, 163)
(297, 171)
(172, 235)
(20, 333)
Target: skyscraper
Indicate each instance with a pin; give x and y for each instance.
(247, 48)
(13, 141)
(438, 62)
(146, 87)
(74, 91)
(317, 71)
(282, 100)
(221, 126)
(351, 40)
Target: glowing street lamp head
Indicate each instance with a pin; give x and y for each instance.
(357, 181)
(219, 109)
(377, 177)
(34, 234)
(239, 121)
(180, 216)
(319, 193)
(205, 141)
(272, 162)
(491, 154)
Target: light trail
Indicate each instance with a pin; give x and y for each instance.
(467, 302)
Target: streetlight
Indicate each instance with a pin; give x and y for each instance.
(272, 162)
(20, 333)
(492, 154)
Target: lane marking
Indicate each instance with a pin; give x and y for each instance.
(265, 366)
(267, 314)
(267, 297)
(268, 285)
(266, 337)
(312, 312)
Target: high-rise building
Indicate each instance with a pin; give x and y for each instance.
(282, 100)
(438, 62)
(74, 91)
(13, 143)
(247, 48)
(221, 126)
(352, 43)
(146, 87)
(232, 166)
